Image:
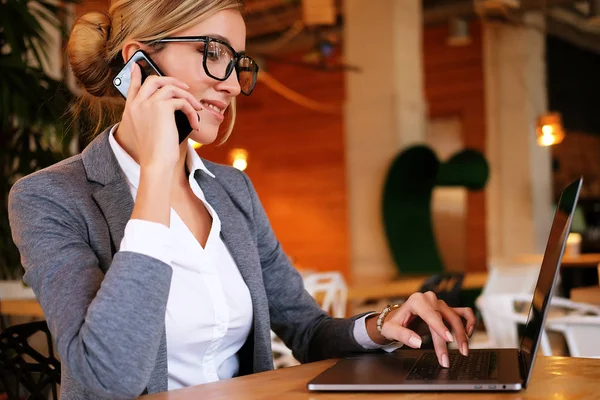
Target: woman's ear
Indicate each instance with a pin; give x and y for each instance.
(130, 48)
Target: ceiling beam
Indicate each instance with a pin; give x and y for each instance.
(438, 14)
(573, 35)
(572, 29)
(266, 31)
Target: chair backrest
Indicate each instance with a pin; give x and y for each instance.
(581, 334)
(330, 290)
(23, 367)
(501, 319)
(517, 278)
(505, 313)
(504, 280)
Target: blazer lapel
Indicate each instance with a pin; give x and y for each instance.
(236, 235)
(116, 204)
(241, 244)
(115, 200)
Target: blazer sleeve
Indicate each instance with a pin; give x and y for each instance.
(296, 318)
(107, 328)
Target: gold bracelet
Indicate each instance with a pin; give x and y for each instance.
(384, 314)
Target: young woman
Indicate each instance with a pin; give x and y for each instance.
(156, 269)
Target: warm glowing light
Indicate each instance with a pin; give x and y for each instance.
(549, 129)
(240, 164)
(194, 144)
(239, 159)
(547, 140)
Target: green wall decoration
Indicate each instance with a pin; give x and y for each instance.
(407, 196)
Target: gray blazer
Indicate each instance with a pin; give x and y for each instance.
(106, 309)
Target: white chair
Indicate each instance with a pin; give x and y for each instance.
(581, 333)
(330, 289)
(502, 279)
(282, 355)
(580, 329)
(507, 311)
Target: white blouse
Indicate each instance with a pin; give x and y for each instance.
(209, 309)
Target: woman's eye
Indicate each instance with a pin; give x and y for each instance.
(213, 54)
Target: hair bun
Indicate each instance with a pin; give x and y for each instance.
(88, 52)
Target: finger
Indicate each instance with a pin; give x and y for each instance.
(394, 331)
(184, 106)
(419, 305)
(135, 81)
(458, 329)
(470, 319)
(154, 82)
(441, 350)
(430, 297)
(171, 91)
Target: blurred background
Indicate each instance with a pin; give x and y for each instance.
(390, 141)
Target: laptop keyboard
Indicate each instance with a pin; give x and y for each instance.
(476, 366)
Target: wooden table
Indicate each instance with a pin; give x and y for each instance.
(589, 260)
(404, 287)
(589, 295)
(24, 308)
(586, 260)
(553, 378)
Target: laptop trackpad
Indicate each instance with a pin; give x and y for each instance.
(369, 370)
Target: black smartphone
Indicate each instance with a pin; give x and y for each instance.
(148, 67)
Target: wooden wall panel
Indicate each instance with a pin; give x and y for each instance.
(577, 156)
(296, 162)
(454, 86)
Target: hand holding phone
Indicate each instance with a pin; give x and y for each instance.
(147, 67)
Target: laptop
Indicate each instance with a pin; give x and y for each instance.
(483, 369)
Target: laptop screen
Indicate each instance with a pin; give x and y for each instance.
(548, 273)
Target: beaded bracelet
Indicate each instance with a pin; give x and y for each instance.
(384, 314)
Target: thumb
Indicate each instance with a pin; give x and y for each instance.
(392, 330)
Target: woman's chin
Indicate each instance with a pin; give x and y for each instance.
(204, 137)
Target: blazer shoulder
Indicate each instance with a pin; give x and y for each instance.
(229, 176)
(67, 175)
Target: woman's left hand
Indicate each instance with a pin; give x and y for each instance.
(444, 323)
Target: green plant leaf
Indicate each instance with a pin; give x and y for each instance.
(33, 104)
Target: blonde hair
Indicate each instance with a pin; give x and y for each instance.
(97, 38)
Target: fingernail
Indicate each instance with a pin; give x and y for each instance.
(415, 341)
(470, 330)
(186, 85)
(449, 336)
(445, 362)
(464, 349)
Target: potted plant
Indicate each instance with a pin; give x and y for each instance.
(33, 108)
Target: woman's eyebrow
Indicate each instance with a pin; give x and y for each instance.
(223, 38)
(220, 37)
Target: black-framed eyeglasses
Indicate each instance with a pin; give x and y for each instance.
(220, 59)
